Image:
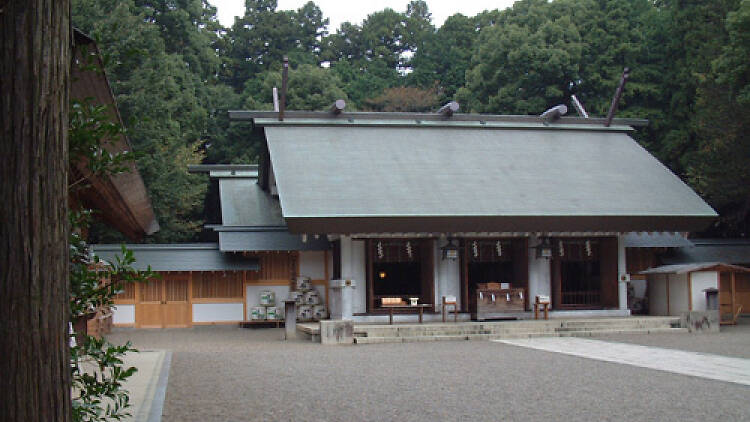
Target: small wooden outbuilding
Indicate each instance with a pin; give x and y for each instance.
(674, 289)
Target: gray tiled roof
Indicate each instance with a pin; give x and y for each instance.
(731, 251)
(656, 240)
(501, 178)
(180, 257)
(244, 203)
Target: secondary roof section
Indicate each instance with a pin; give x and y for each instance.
(180, 257)
(122, 198)
(251, 218)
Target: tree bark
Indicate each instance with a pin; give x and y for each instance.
(34, 82)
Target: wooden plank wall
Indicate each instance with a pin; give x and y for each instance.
(276, 269)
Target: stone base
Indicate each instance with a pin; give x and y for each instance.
(336, 332)
(700, 321)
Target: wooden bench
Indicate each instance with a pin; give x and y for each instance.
(419, 306)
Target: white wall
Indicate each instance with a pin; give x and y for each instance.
(123, 314)
(217, 312)
(540, 276)
(353, 268)
(359, 274)
(702, 280)
(447, 277)
(657, 291)
(312, 264)
(678, 294)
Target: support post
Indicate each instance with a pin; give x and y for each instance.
(622, 273)
(618, 95)
(290, 320)
(284, 78)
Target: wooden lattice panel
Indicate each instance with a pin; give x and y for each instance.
(176, 290)
(217, 284)
(151, 291)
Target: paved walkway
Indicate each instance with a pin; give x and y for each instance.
(722, 368)
(230, 374)
(148, 385)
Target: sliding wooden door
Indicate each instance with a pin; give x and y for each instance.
(164, 303)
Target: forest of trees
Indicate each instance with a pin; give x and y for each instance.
(175, 70)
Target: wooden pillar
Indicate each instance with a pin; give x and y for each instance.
(734, 302)
(190, 298)
(464, 276)
(668, 311)
(244, 295)
(690, 291)
(327, 277)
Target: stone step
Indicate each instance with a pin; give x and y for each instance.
(644, 321)
(604, 332)
(614, 327)
(498, 329)
(448, 332)
(469, 337)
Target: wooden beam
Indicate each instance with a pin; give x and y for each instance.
(284, 80)
(618, 95)
(690, 291)
(337, 107)
(667, 275)
(327, 277)
(579, 107)
(448, 109)
(239, 115)
(190, 298)
(244, 295)
(734, 300)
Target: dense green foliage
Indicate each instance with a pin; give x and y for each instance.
(176, 70)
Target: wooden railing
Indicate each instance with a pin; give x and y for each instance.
(581, 298)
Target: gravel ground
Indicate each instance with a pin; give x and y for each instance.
(731, 341)
(233, 374)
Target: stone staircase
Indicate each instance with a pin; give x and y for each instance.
(405, 333)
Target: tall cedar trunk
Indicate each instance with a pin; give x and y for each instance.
(34, 80)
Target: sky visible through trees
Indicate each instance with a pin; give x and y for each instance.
(175, 70)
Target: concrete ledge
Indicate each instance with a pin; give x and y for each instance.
(336, 332)
(466, 317)
(700, 321)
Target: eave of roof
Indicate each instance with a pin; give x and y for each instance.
(352, 179)
(464, 124)
(263, 118)
(695, 267)
(180, 257)
(225, 170)
(656, 240)
(122, 198)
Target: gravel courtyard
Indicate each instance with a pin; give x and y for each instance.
(234, 374)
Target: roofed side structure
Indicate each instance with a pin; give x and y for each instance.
(695, 267)
(251, 218)
(122, 198)
(733, 251)
(656, 240)
(180, 257)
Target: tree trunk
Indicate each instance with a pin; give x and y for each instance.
(34, 81)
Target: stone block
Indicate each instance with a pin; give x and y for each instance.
(700, 321)
(336, 332)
